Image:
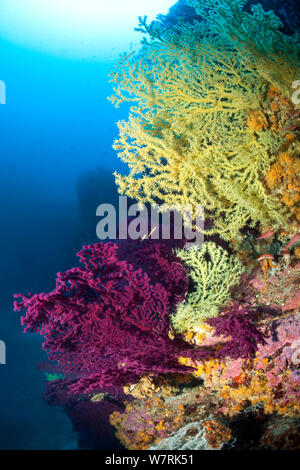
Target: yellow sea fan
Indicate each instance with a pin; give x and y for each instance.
(212, 272)
(188, 141)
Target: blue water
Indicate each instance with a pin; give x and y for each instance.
(56, 125)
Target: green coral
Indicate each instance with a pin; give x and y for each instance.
(212, 272)
(187, 140)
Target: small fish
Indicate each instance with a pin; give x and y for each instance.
(150, 233)
(293, 127)
(293, 240)
(266, 235)
(295, 113)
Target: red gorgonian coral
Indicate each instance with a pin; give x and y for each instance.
(107, 323)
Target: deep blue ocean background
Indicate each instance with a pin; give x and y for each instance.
(56, 129)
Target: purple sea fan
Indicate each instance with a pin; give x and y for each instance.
(107, 323)
(238, 324)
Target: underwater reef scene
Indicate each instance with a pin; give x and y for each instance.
(193, 348)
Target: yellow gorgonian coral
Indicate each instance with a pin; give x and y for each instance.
(212, 272)
(257, 36)
(197, 135)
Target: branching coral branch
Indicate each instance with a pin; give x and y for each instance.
(107, 323)
(212, 272)
(190, 138)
